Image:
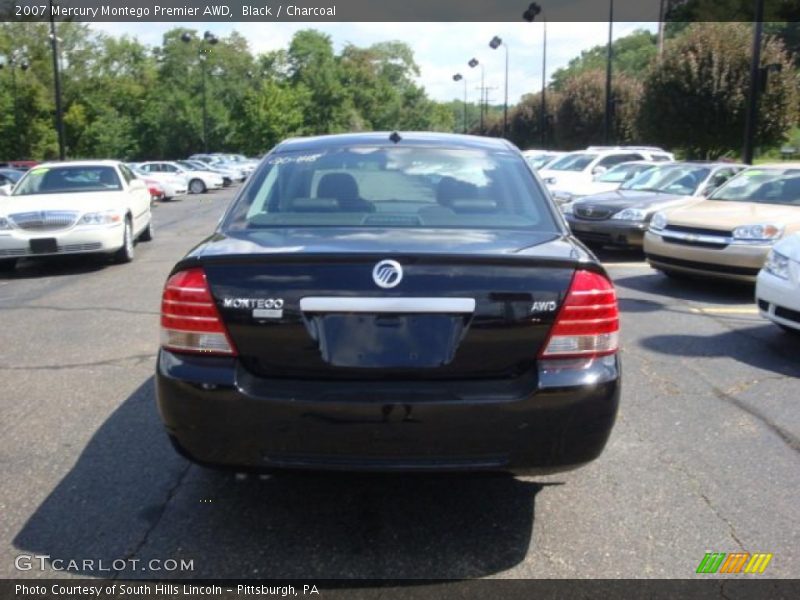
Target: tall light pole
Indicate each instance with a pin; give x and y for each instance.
(751, 118)
(543, 109)
(460, 77)
(14, 62)
(57, 85)
(530, 15)
(609, 58)
(209, 39)
(472, 64)
(495, 43)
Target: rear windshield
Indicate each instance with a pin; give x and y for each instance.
(65, 180)
(393, 187)
(769, 186)
(572, 162)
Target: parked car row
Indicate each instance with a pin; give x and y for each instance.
(621, 217)
(98, 206)
(707, 220)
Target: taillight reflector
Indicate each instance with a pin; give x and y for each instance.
(588, 323)
(190, 321)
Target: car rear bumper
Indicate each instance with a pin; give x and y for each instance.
(733, 262)
(778, 300)
(172, 190)
(218, 414)
(611, 232)
(77, 240)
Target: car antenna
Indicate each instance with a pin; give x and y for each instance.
(395, 137)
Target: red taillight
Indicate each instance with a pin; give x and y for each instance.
(190, 321)
(588, 323)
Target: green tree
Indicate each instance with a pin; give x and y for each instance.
(580, 117)
(632, 55)
(525, 124)
(313, 65)
(695, 100)
(269, 113)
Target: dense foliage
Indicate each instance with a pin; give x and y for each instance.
(128, 100)
(123, 99)
(696, 98)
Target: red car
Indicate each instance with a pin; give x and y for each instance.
(22, 165)
(156, 191)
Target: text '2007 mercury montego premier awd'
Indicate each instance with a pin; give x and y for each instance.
(390, 302)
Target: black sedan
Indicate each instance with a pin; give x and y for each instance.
(621, 217)
(390, 302)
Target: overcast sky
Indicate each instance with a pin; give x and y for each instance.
(440, 49)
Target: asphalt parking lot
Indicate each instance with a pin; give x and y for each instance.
(704, 456)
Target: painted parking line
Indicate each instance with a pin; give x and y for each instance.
(725, 310)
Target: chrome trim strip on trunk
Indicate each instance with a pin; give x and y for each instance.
(356, 304)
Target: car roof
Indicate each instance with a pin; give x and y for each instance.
(713, 164)
(414, 138)
(649, 163)
(777, 165)
(81, 163)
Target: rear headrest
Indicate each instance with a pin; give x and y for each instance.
(341, 186)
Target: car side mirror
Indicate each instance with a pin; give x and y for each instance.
(5, 190)
(597, 171)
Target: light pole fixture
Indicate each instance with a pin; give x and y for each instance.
(533, 11)
(459, 77)
(57, 85)
(757, 76)
(209, 39)
(473, 62)
(14, 62)
(609, 59)
(494, 44)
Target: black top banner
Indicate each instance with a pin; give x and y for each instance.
(398, 11)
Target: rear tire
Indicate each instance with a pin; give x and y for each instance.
(126, 253)
(147, 234)
(7, 265)
(196, 186)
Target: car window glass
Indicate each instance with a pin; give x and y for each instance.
(393, 187)
(577, 161)
(683, 180)
(615, 159)
(127, 174)
(71, 179)
(768, 186)
(621, 173)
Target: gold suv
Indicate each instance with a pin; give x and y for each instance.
(729, 234)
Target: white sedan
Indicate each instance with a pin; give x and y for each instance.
(174, 184)
(198, 181)
(778, 285)
(73, 208)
